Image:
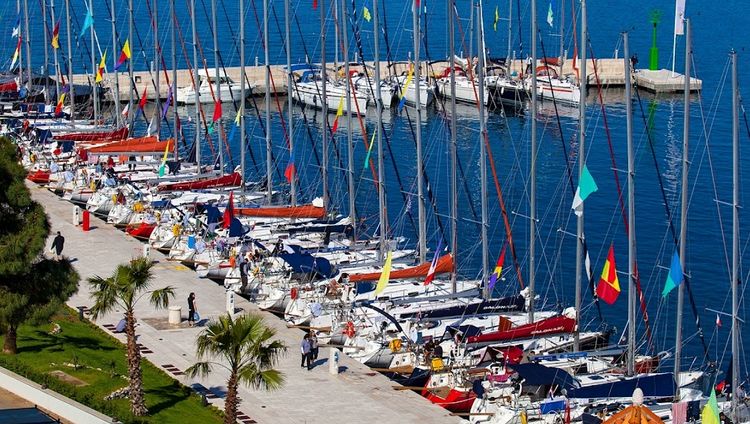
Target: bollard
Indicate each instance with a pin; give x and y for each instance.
(146, 250)
(333, 361)
(230, 300)
(86, 220)
(175, 315)
(76, 215)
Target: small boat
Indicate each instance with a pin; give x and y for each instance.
(141, 230)
(554, 325)
(302, 211)
(444, 264)
(209, 89)
(39, 176)
(94, 136)
(228, 180)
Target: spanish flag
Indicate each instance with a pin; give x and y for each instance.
(59, 107)
(100, 70)
(385, 275)
(339, 112)
(16, 53)
(124, 55)
(56, 36)
(609, 285)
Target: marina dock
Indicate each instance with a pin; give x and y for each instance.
(357, 393)
(609, 71)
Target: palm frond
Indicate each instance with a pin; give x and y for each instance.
(160, 298)
(105, 295)
(199, 369)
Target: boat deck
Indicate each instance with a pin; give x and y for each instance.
(356, 394)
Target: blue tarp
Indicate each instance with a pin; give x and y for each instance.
(236, 229)
(212, 214)
(539, 375)
(306, 263)
(653, 385)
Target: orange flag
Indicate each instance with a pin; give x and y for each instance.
(609, 285)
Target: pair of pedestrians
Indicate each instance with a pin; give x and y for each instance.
(309, 350)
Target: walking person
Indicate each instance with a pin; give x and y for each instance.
(191, 309)
(313, 346)
(57, 246)
(305, 351)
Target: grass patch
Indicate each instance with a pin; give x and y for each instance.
(87, 353)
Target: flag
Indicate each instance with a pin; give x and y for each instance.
(718, 320)
(290, 168)
(229, 211)
(369, 150)
(87, 23)
(142, 102)
(550, 14)
(431, 272)
(609, 285)
(498, 272)
(100, 71)
(675, 276)
(497, 18)
(217, 111)
(339, 113)
(315, 4)
(56, 36)
(165, 109)
(237, 117)
(16, 53)
(586, 186)
(59, 107)
(385, 275)
(125, 110)
(710, 413)
(679, 16)
(409, 77)
(17, 27)
(366, 14)
(163, 167)
(124, 55)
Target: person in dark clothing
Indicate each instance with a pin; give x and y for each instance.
(305, 349)
(191, 309)
(57, 245)
(314, 346)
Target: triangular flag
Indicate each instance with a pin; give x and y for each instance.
(100, 70)
(315, 4)
(16, 53)
(60, 102)
(125, 110)
(385, 275)
(142, 102)
(290, 168)
(369, 150)
(550, 14)
(17, 27)
(609, 285)
(87, 23)
(675, 276)
(586, 186)
(409, 77)
(237, 117)
(710, 413)
(497, 18)
(498, 271)
(339, 113)
(165, 109)
(217, 111)
(718, 320)
(229, 211)
(124, 55)
(56, 36)
(366, 14)
(433, 266)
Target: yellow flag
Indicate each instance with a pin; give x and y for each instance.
(710, 413)
(524, 418)
(166, 150)
(340, 110)
(409, 77)
(385, 275)
(237, 118)
(100, 71)
(366, 14)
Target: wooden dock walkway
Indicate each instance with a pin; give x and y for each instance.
(357, 394)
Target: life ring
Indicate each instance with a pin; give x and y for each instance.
(349, 330)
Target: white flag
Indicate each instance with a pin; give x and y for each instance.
(679, 16)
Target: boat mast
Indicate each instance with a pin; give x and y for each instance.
(379, 134)
(418, 135)
(157, 69)
(631, 206)
(196, 90)
(290, 104)
(28, 43)
(735, 238)
(46, 52)
(454, 146)
(133, 88)
(94, 67)
(71, 86)
(54, 51)
(116, 94)
(510, 33)
(269, 163)
(350, 142)
(582, 82)
(532, 183)
(324, 98)
(243, 92)
(20, 34)
(683, 205)
(562, 35)
(482, 152)
(218, 131)
(175, 116)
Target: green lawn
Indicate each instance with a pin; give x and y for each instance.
(102, 364)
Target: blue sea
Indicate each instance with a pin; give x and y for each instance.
(718, 27)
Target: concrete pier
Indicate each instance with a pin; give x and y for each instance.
(357, 394)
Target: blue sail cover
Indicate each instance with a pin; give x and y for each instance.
(539, 375)
(308, 264)
(653, 385)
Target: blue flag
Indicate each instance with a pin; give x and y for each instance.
(87, 23)
(675, 276)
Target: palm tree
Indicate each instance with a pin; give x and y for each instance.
(127, 285)
(248, 352)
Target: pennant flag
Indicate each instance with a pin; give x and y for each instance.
(550, 14)
(125, 110)
(679, 16)
(385, 275)
(217, 111)
(142, 102)
(237, 117)
(431, 272)
(497, 18)
(718, 320)
(710, 413)
(586, 186)
(229, 211)
(165, 109)
(100, 71)
(339, 113)
(17, 27)
(366, 14)
(87, 23)
(315, 4)
(16, 54)
(56, 36)
(498, 272)
(369, 150)
(675, 276)
(59, 107)
(163, 167)
(124, 55)
(609, 285)
(409, 77)
(290, 168)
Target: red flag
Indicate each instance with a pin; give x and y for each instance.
(609, 285)
(315, 4)
(291, 169)
(229, 211)
(335, 125)
(142, 102)
(217, 111)
(431, 272)
(718, 320)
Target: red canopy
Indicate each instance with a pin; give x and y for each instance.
(141, 146)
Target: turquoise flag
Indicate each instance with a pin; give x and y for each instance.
(87, 23)
(586, 186)
(675, 276)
